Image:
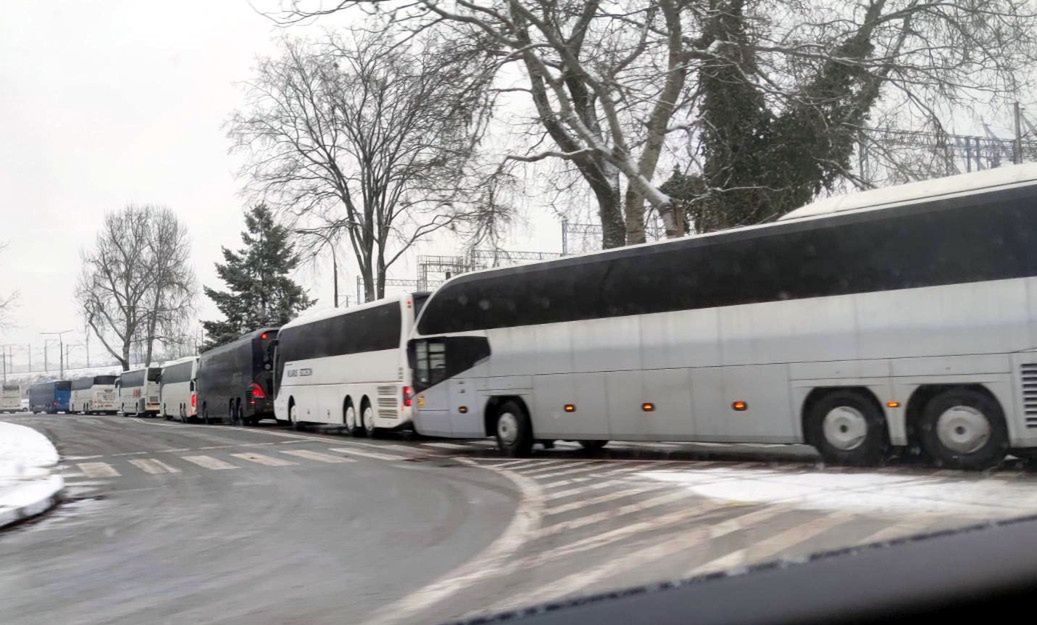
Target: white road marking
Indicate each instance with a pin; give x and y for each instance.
(98, 469)
(315, 455)
(544, 473)
(368, 454)
(410, 449)
(608, 515)
(614, 567)
(152, 466)
(579, 504)
(84, 457)
(267, 460)
(901, 529)
(445, 445)
(494, 557)
(209, 462)
(773, 544)
(600, 473)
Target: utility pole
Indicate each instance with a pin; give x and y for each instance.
(28, 350)
(334, 257)
(61, 351)
(1018, 144)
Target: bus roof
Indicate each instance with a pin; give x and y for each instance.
(937, 188)
(328, 313)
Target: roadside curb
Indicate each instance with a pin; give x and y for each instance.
(28, 487)
(31, 499)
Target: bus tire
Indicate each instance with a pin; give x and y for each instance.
(513, 430)
(848, 427)
(593, 445)
(963, 428)
(349, 419)
(367, 418)
(292, 421)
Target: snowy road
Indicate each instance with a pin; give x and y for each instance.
(208, 524)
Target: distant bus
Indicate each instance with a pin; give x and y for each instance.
(10, 398)
(93, 394)
(348, 366)
(236, 380)
(137, 391)
(891, 318)
(50, 397)
(178, 392)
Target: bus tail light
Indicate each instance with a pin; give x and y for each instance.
(194, 400)
(257, 391)
(408, 397)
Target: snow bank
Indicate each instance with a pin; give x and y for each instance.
(27, 487)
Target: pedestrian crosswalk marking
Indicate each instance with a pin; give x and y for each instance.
(774, 544)
(98, 469)
(445, 445)
(267, 460)
(152, 466)
(579, 504)
(367, 454)
(315, 455)
(606, 515)
(209, 462)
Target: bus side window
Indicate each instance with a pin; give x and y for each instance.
(421, 363)
(192, 386)
(436, 362)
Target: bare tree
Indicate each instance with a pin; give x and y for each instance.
(7, 301)
(136, 286)
(365, 139)
(769, 96)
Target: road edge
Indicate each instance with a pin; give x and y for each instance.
(34, 489)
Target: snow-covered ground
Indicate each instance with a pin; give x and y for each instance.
(27, 487)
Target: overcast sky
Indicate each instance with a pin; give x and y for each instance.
(104, 103)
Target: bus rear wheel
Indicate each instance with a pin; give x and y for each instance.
(964, 428)
(514, 431)
(349, 419)
(847, 427)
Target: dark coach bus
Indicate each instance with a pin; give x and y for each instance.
(50, 397)
(236, 380)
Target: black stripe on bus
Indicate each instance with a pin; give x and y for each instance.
(975, 238)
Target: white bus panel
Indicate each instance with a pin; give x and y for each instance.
(348, 367)
(856, 329)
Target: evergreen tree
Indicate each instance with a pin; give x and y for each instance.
(259, 290)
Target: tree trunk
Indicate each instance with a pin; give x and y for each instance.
(634, 211)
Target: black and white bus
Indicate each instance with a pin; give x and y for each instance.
(178, 395)
(235, 382)
(348, 366)
(890, 318)
(136, 391)
(93, 394)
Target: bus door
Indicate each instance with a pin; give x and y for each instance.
(432, 397)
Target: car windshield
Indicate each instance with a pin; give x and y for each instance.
(416, 311)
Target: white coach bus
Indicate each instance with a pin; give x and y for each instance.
(348, 366)
(177, 390)
(890, 318)
(93, 394)
(137, 391)
(10, 397)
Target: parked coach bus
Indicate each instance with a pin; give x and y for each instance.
(10, 398)
(137, 391)
(50, 397)
(896, 317)
(236, 380)
(93, 394)
(348, 366)
(177, 394)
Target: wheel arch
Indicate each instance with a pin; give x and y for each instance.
(493, 405)
(818, 393)
(924, 393)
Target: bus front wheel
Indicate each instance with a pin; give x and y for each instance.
(964, 428)
(848, 427)
(514, 430)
